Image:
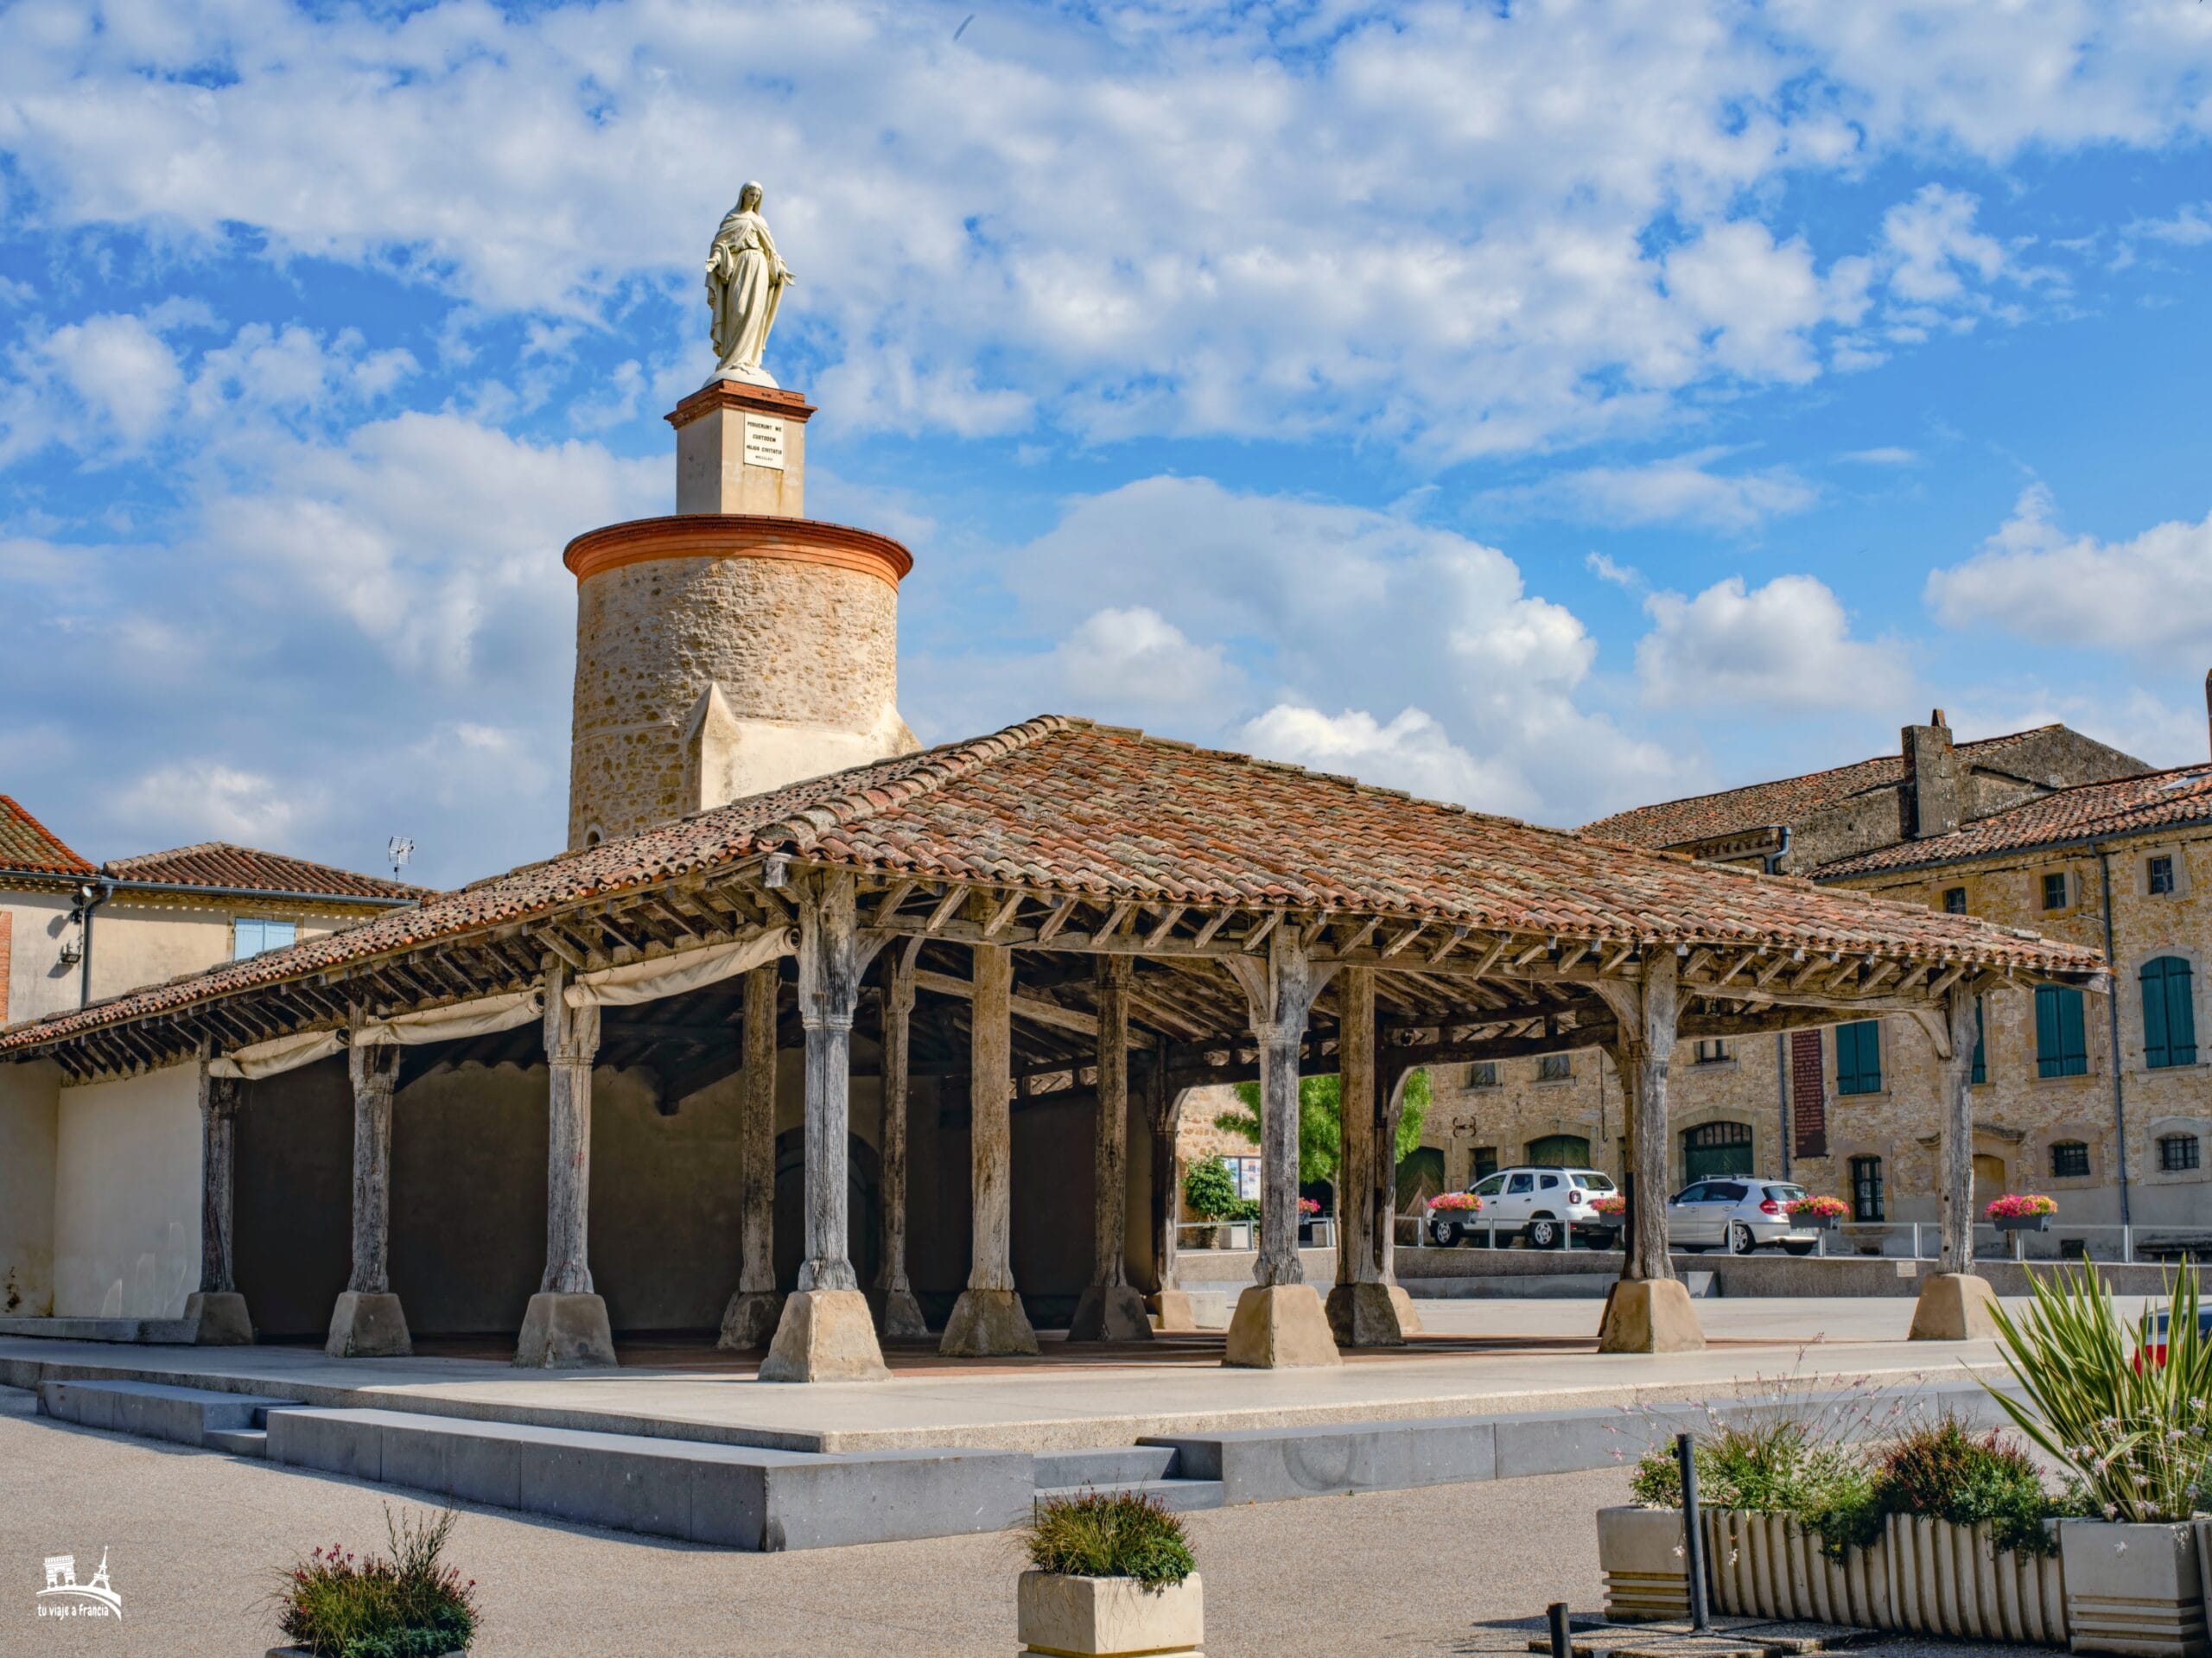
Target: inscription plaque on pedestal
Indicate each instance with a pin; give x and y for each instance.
(764, 442)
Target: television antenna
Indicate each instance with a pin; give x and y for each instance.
(399, 849)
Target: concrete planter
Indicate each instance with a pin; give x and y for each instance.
(1947, 1579)
(2136, 1589)
(1097, 1617)
(1768, 1565)
(1647, 1575)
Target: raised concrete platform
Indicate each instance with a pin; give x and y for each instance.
(229, 1422)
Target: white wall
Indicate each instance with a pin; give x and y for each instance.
(28, 1095)
(39, 981)
(126, 1198)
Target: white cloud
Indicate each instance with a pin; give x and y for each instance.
(206, 800)
(1136, 657)
(1887, 455)
(1606, 569)
(1933, 247)
(105, 384)
(1412, 752)
(2032, 579)
(2190, 228)
(1682, 490)
(1784, 647)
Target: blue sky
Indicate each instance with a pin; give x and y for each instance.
(1553, 407)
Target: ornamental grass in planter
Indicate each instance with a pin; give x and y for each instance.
(1112, 1572)
(407, 1605)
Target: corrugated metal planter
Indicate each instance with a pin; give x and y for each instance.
(1646, 1567)
(1768, 1565)
(1947, 1579)
(2135, 1590)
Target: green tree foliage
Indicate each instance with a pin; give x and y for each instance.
(1209, 1190)
(1320, 1147)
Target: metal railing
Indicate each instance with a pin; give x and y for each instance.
(1318, 1233)
(1896, 1240)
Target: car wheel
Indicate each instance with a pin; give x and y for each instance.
(1542, 1234)
(1740, 1242)
(1803, 1248)
(1444, 1233)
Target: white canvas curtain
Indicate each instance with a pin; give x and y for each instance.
(279, 1053)
(480, 1017)
(672, 975)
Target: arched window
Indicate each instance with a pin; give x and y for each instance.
(2070, 1161)
(2169, 1017)
(1716, 1148)
(2177, 1153)
(1865, 1188)
(2061, 1046)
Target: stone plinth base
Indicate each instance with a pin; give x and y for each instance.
(896, 1313)
(1955, 1307)
(986, 1322)
(1408, 1321)
(751, 1318)
(218, 1319)
(1111, 1313)
(1364, 1315)
(1170, 1310)
(1279, 1327)
(1649, 1315)
(368, 1325)
(825, 1336)
(564, 1331)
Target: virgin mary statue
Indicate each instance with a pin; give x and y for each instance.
(744, 280)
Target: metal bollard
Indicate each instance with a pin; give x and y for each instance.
(1555, 1614)
(1693, 1534)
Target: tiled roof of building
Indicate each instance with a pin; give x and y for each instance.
(1064, 805)
(26, 843)
(218, 863)
(2132, 805)
(1765, 805)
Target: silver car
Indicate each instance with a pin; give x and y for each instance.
(1738, 1213)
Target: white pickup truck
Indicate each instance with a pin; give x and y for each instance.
(1538, 1205)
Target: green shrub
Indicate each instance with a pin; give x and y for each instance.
(1209, 1190)
(1109, 1535)
(407, 1605)
(1780, 1466)
(1947, 1473)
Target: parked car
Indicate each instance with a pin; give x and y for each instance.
(1534, 1204)
(1739, 1214)
(2153, 1352)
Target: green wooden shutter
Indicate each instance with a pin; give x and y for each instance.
(2169, 1020)
(1980, 1056)
(2061, 1049)
(1858, 1057)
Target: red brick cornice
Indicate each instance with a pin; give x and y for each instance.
(738, 535)
(734, 394)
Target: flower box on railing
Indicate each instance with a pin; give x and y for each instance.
(2021, 1211)
(1815, 1214)
(2023, 1222)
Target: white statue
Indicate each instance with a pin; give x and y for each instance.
(745, 280)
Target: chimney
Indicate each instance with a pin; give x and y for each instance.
(1933, 800)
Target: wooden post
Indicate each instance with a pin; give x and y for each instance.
(216, 1310)
(901, 1312)
(1169, 1302)
(1279, 1321)
(1360, 1313)
(826, 1333)
(1648, 1311)
(1109, 1310)
(368, 1321)
(754, 1311)
(565, 1325)
(1954, 1304)
(1391, 1109)
(988, 1318)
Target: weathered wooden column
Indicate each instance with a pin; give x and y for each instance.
(368, 1322)
(989, 1316)
(1169, 1302)
(216, 1310)
(1954, 1303)
(565, 1326)
(1110, 1310)
(1279, 1322)
(1391, 1079)
(899, 1312)
(826, 1333)
(1360, 1309)
(754, 1311)
(1648, 1311)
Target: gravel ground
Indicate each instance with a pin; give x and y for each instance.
(194, 1538)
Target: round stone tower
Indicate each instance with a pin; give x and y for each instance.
(737, 647)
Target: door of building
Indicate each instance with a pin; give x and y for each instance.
(1716, 1148)
(1560, 1151)
(1988, 1179)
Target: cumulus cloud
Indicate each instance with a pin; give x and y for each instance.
(1686, 489)
(1783, 647)
(1412, 752)
(1137, 657)
(206, 800)
(2033, 580)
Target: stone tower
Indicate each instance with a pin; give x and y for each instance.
(737, 647)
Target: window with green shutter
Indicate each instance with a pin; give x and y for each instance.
(1980, 1045)
(1858, 1057)
(2061, 1049)
(2168, 1019)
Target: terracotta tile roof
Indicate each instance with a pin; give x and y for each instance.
(1766, 805)
(26, 843)
(1064, 805)
(218, 863)
(2132, 805)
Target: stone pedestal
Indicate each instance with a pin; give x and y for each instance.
(896, 1313)
(825, 1336)
(1279, 1327)
(1955, 1307)
(565, 1331)
(1409, 1322)
(1170, 1310)
(218, 1319)
(1649, 1315)
(985, 1323)
(741, 448)
(1365, 1315)
(751, 1318)
(1111, 1313)
(368, 1325)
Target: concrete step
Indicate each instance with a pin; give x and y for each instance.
(240, 1441)
(153, 1410)
(1114, 1465)
(156, 1332)
(1181, 1496)
(734, 1496)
